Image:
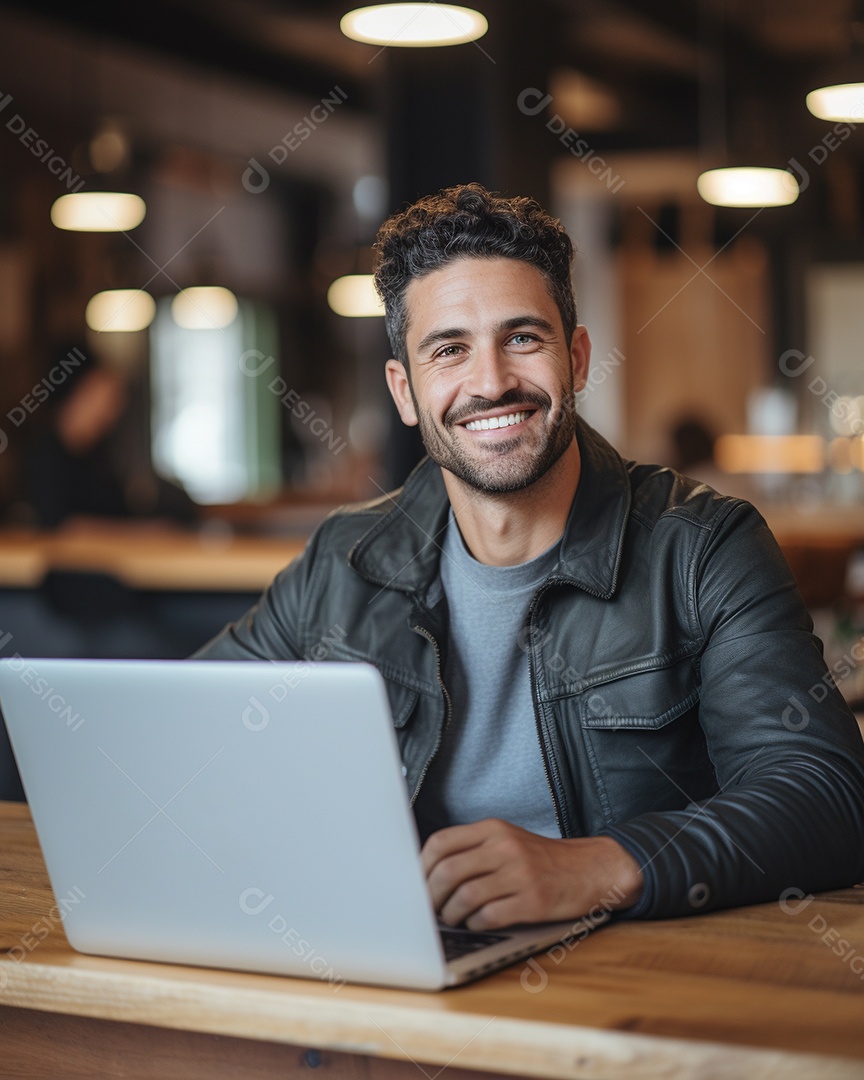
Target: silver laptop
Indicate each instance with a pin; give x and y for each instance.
(237, 815)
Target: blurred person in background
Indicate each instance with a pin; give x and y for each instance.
(79, 463)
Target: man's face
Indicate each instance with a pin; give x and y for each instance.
(492, 378)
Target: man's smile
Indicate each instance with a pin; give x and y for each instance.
(496, 421)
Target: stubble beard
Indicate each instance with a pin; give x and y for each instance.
(500, 468)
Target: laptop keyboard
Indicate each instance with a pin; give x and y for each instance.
(462, 942)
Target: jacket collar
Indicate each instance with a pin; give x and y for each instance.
(402, 550)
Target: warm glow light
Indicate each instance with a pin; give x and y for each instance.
(748, 187)
(354, 296)
(414, 24)
(842, 102)
(98, 211)
(125, 310)
(770, 453)
(840, 455)
(204, 307)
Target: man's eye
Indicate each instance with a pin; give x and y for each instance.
(448, 351)
(523, 339)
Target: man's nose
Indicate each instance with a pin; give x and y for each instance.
(490, 374)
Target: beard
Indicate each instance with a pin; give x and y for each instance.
(507, 465)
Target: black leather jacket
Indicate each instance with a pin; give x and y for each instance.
(682, 704)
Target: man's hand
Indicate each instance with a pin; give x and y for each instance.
(492, 874)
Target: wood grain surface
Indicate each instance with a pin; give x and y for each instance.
(750, 992)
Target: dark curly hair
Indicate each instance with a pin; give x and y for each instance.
(468, 221)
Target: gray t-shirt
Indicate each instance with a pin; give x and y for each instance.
(490, 763)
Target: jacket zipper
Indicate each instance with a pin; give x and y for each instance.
(448, 709)
(544, 750)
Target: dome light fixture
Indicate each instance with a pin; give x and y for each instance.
(414, 25)
(748, 187)
(204, 307)
(845, 101)
(123, 310)
(354, 296)
(98, 211)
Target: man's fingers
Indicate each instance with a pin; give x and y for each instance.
(446, 842)
(453, 871)
(474, 902)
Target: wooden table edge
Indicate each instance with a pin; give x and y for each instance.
(484, 1043)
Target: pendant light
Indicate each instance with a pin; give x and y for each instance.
(105, 206)
(730, 185)
(204, 307)
(353, 296)
(120, 310)
(98, 211)
(414, 25)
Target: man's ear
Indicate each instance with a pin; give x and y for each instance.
(400, 391)
(580, 357)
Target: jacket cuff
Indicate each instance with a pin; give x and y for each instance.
(646, 900)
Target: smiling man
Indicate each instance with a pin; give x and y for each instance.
(598, 670)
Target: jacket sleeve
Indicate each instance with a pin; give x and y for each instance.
(272, 629)
(787, 753)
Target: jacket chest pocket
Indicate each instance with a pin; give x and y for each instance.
(644, 743)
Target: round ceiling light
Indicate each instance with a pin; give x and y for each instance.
(842, 102)
(124, 310)
(414, 25)
(98, 211)
(354, 296)
(748, 187)
(204, 307)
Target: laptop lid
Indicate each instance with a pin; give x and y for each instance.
(240, 815)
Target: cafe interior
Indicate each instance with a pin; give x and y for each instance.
(191, 351)
(213, 342)
(192, 377)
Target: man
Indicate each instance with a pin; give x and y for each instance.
(599, 672)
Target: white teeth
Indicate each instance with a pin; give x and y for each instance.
(497, 422)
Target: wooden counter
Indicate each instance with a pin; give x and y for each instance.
(147, 557)
(755, 992)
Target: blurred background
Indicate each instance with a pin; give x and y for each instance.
(184, 395)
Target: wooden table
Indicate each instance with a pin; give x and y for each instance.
(750, 993)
